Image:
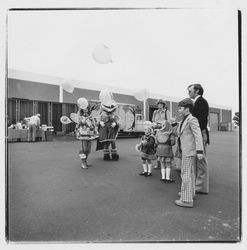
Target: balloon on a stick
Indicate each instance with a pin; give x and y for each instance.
(65, 120)
(74, 117)
(141, 95)
(82, 103)
(102, 54)
(67, 85)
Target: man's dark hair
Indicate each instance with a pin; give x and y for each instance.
(186, 103)
(197, 87)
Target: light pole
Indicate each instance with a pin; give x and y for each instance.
(142, 95)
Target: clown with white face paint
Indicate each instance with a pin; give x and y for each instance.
(108, 126)
(85, 130)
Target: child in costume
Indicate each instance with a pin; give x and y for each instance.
(165, 139)
(85, 130)
(108, 126)
(147, 151)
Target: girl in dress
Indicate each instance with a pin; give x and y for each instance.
(147, 151)
(165, 139)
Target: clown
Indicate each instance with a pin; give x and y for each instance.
(108, 126)
(85, 130)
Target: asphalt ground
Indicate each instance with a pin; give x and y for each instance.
(51, 199)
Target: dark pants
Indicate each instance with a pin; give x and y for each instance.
(106, 148)
(108, 143)
(202, 171)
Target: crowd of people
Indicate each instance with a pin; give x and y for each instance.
(192, 138)
(190, 134)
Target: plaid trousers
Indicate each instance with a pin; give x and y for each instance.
(188, 178)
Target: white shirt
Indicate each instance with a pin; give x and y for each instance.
(34, 120)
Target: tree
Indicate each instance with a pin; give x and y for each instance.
(236, 119)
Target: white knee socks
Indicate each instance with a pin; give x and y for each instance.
(145, 167)
(168, 172)
(163, 173)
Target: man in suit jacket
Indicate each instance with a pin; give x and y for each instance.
(191, 147)
(200, 111)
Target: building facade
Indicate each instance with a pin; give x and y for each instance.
(29, 93)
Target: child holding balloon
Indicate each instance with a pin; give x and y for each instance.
(147, 151)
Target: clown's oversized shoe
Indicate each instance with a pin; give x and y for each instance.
(107, 157)
(115, 157)
(114, 154)
(106, 153)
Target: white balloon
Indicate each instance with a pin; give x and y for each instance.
(142, 95)
(102, 54)
(67, 85)
(147, 124)
(74, 117)
(65, 120)
(82, 103)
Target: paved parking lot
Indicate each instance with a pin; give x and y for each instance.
(50, 198)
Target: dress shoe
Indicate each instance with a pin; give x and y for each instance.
(199, 192)
(143, 173)
(169, 181)
(183, 203)
(83, 165)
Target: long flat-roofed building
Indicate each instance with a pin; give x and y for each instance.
(30, 93)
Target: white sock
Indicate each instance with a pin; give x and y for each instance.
(145, 168)
(168, 172)
(150, 168)
(163, 173)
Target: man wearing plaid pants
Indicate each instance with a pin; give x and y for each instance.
(191, 146)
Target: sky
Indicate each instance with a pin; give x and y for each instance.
(160, 50)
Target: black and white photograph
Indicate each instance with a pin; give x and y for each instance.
(123, 125)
